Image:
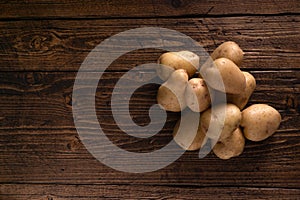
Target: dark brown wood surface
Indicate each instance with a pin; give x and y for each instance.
(42, 45)
(57, 191)
(144, 8)
(270, 42)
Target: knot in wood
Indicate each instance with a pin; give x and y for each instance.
(33, 78)
(291, 102)
(74, 144)
(37, 43)
(68, 99)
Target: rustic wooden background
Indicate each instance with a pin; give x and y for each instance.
(43, 43)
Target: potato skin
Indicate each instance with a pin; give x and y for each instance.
(260, 121)
(232, 121)
(197, 95)
(172, 61)
(230, 50)
(233, 79)
(164, 72)
(187, 139)
(170, 95)
(240, 100)
(230, 147)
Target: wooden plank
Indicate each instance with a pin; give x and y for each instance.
(59, 192)
(145, 8)
(62, 45)
(45, 98)
(58, 156)
(38, 142)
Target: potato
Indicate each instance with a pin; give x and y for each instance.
(170, 95)
(164, 72)
(171, 61)
(223, 120)
(231, 146)
(232, 77)
(197, 95)
(229, 50)
(260, 121)
(187, 137)
(240, 100)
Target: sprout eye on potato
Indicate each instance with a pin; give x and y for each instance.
(225, 124)
(171, 61)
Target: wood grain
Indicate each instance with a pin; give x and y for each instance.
(44, 99)
(58, 192)
(62, 45)
(57, 156)
(40, 144)
(146, 8)
(44, 42)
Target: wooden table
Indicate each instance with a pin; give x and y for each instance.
(42, 45)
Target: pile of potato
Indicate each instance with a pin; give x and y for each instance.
(183, 88)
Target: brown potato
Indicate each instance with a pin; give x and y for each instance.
(223, 120)
(240, 100)
(170, 95)
(230, 50)
(217, 97)
(187, 137)
(232, 77)
(260, 121)
(231, 146)
(197, 95)
(171, 61)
